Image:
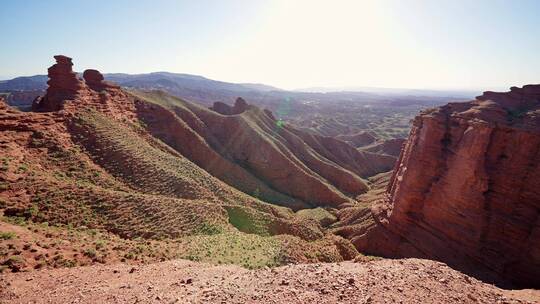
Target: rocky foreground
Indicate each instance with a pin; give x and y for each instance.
(180, 281)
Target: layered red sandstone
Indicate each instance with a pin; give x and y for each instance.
(466, 189)
(241, 145)
(63, 84)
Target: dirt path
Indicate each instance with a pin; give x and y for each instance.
(382, 281)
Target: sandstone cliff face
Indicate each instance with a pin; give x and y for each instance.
(466, 189)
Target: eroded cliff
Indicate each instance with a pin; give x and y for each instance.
(466, 189)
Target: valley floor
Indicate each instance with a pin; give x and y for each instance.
(181, 281)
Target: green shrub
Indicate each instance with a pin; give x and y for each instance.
(8, 235)
(90, 252)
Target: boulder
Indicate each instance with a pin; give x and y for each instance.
(94, 79)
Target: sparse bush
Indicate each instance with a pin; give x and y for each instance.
(90, 252)
(100, 244)
(8, 235)
(22, 168)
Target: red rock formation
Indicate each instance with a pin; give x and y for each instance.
(364, 164)
(250, 141)
(182, 131)
(240, 105)
(63, 85)
(245, 147)
(94, 79)
(466, 189)
(254, 153)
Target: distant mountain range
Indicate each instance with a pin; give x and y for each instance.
(397, 91)
(207, 91)
(165, 79)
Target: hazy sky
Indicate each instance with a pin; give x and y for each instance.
(289, 43)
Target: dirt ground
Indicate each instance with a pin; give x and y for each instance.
(180, 281)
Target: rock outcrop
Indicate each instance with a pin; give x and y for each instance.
(63, 85)
(94, 79)
(466, 189)
(240, 105)
(242, 145)
(95, 163)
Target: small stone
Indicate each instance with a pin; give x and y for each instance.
(472, 297)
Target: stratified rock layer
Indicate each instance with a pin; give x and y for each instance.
(63, 85)
(241, 145)
(466, 189)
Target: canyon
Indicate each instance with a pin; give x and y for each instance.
(97, 173)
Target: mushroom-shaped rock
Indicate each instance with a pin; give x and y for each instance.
(92, 76)
(95, 80)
